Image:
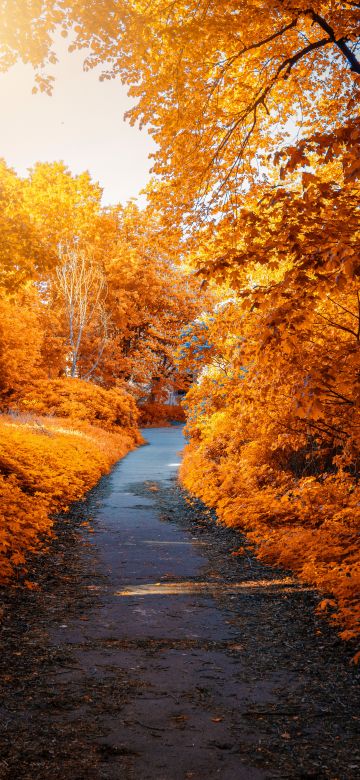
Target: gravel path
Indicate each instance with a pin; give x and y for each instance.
(151, 652)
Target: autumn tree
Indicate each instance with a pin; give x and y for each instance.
(62, 206)
(22, 254)
(108, 299)
(230, 77)
(150, 299)
(82, 287)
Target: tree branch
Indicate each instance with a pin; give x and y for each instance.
(227, 63)
(339, 42)
(337, 325)
(291, 61)
(324, 428)
(330, 390)
(342, 307)
(287, 65)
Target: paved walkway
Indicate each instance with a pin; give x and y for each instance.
(151, 653)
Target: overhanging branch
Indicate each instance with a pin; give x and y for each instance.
(339, 42)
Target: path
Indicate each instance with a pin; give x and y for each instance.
(165, 657)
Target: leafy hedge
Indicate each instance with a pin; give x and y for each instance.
(155, 414)
(79, 400)
(48, 462)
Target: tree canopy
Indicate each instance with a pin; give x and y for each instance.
(220, 86)
(91, 292)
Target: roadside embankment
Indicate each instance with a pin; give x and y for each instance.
(308, 525)
(45, 464)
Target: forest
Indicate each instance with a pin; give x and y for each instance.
(237, 284)
(91, 307)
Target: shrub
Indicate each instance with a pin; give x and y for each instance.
(79, 400)
(44, 466)
(155, 414)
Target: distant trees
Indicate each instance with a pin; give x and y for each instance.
(82, 285)
(88, 292)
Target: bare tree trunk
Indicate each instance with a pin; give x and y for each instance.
(83, 287)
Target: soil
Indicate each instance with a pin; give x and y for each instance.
(215, 666)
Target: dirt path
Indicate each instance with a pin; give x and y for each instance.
(150, 652)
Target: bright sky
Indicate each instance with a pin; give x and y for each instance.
(81, 124)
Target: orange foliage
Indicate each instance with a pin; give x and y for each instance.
(79, 401)
(86, 291)
(20, 342)
(275, 449)
(154, 414)
(309, 526)
(45, 465)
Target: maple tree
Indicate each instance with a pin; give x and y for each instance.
(230, 77)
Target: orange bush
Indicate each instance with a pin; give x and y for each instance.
(44, 466)
(311, 529)
(155, 414)
(79, 400)
(275, 442)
